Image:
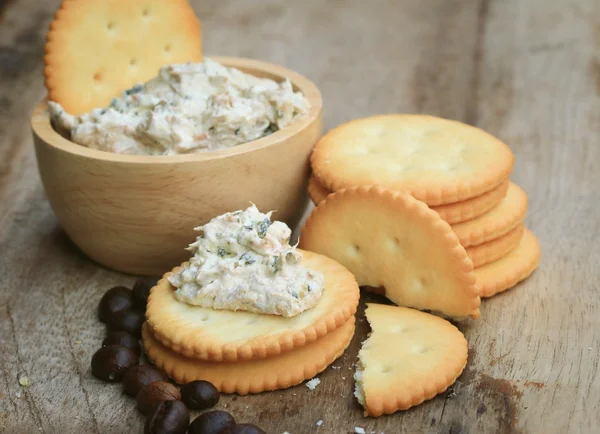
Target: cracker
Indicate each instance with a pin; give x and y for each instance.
(409, 357)
(96, 49)
(500, 220)
(392, 240)
(495, 249)
(436, 160)
(253, 376)
(506, 272)
(316, 191)
(452, 212)
(471, 208)
(217, 335)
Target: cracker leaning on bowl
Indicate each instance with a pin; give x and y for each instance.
(136, 213)
(97, 49)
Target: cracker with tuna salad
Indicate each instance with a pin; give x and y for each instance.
(224, 335)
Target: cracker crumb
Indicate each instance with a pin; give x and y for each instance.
(24, 381)
(319, 422)
(19, 393)
(78, 342)
(359, 430)
(312, 384)
(336, 367)
(590, 348)
(343, 378)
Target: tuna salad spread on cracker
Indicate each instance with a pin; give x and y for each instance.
(187, 108)
(244, 261)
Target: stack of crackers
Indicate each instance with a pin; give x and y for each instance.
(422, 210)
(459, 171)
(243, 352)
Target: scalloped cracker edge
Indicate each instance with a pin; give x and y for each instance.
(453, 212)
(252, 376)
(392, 240)
(409, 357)
(508, 271)
(221, 335)
(495, 249)
(97, 49)
(501, 219)
(436, 160)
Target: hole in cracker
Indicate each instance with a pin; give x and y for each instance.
(133, 61)
(204, 318)
(110, 25)
(385, 369)
(98, 76)
(146, 12)
(168, 48)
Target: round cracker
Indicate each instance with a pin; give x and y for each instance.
(436, 160)
(392, 240)
(452, 213)
(500, 220)
(253, 376)
(495, 249)
(221, 335)
(468, 209)
(506, 272)
(96, 49)
(409, 357)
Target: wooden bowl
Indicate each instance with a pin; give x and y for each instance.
(136, 214)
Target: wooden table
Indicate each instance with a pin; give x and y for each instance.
(525, 70)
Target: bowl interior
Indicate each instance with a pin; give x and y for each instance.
(41, 121)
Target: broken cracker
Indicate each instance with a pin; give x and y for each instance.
(392, 240)
(409, 357)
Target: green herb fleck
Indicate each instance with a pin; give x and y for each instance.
(248, 260)
(135, 89)
(263, 227)
(276, 264)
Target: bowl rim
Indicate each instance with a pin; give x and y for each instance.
(41, 127)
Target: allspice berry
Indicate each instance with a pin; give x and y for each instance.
(199, 395)
(212, 422)
(114, 300)
(243, 428)
(141, 290)
(139, 376)
(110, 363)
(170, 417)
(151, 395)
(124, 339)
(127, 320)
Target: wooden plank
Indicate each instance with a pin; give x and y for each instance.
(527, 71)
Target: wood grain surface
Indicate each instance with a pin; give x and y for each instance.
(525, 70)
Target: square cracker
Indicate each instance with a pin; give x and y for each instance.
(96, 49)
